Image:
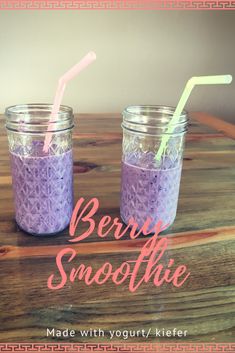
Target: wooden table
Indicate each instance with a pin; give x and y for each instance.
(203, 238)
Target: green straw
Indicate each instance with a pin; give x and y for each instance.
(201, 80)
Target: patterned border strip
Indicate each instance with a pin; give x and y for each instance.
(119, 347)
(117, 5)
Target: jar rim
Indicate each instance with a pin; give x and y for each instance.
(153, 119)
(136, 109)
(20, 109)
(35, 118)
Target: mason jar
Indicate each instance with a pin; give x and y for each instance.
(150, 187)
(42, 181)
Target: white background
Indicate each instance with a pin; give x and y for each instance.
(143, 57)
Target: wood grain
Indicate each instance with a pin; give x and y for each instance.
(202, 237)
(206, 119)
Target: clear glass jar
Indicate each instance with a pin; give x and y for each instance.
(150, 189)
(42, 182)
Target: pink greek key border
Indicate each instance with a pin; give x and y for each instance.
(117, 5)
(119, 347)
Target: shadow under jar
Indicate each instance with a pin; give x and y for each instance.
(149, 188)
(42, 182)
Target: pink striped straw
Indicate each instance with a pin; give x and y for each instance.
(69, 75)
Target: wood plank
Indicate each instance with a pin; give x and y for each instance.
(176, 240)
(202, 237)
(213, 122)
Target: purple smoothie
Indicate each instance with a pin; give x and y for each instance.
(148, 191)
(43, 190)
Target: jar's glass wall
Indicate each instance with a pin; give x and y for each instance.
(149, 188)
(135, 144)
(31, 144)
(42, 182)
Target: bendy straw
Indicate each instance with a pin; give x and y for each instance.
(201, 80)
(69, 75)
